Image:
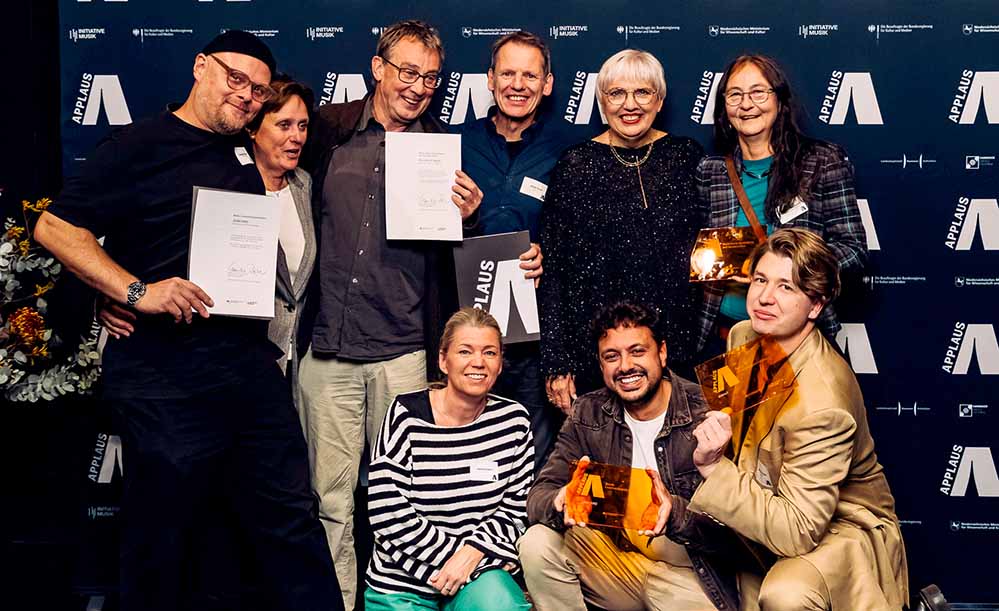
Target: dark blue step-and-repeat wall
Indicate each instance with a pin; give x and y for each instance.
(910, 89)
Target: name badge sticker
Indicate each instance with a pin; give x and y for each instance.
(484, 471)
(763, 476)
(798, 207)
(243, 157)
(534, 188)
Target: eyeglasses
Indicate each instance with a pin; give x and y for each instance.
(431, 80)
(240, 80)
(619, 96)
(758, 96)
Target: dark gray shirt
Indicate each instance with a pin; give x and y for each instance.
(371, 289)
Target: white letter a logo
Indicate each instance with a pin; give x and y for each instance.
(106, 91)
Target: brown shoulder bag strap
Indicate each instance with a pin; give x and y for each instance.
(740, 193)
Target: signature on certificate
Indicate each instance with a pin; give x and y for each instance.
(239, 269)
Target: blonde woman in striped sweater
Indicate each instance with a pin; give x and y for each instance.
(448, 485)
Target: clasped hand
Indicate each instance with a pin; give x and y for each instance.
(457, 571)
(713, 436)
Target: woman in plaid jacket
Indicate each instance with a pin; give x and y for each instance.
(791, 180)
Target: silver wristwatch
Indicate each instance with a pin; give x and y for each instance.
(135, 292)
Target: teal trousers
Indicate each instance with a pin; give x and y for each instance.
(492, 591)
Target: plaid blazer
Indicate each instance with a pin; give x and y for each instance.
(832, 213)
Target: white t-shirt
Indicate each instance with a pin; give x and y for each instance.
(643, 434)
(291, 236)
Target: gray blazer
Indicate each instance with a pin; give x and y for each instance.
(288, 299)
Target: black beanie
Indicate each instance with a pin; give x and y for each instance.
(245, 43)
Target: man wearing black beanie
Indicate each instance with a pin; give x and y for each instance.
(201, 406)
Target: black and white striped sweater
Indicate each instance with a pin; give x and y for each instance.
(434, 488)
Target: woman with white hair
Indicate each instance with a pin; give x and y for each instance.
(619, 222)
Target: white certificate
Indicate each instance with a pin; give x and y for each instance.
(419, 174)
(234, 239)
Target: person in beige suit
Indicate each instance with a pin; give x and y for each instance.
(805, 483)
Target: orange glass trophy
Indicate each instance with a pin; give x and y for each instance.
(612, 496)
(721, 252)
(755, 376)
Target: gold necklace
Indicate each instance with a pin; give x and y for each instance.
(636, 163)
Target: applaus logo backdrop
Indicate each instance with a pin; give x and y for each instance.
(910, 89)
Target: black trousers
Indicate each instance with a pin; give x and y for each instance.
(241, 444)
(522, 381)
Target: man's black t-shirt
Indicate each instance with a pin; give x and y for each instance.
(136, 190)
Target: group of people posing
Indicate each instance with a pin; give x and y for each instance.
(473, 481)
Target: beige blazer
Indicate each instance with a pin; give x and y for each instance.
(807, 483)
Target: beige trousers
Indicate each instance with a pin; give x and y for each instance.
(793, 584)
(564, 572)
(344, 404)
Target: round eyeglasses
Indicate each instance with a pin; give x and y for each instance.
(240, 80)
(758, 96)
(431, 80)
(618, 96)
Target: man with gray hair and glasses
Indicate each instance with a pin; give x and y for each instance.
(376, 306)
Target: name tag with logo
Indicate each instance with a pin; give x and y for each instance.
(534, 188)
(763, 476)
(484, 471)
(243, 157)
(798, 207)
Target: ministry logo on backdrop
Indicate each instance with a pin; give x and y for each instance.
(855, 344)
(817, 30)
(462, 89)
(99, 91)
(879, 29)
(78, 34)
(583, 99)
(972, 217)
(323, 31)
(715, 31)
(974, 28)
(257, 33)
(469, 31)
(704, 103)
(567, 31)
(967, 341)
(974, 90)
(143, 33)
(966, 464)
(339, 87)
(846, 89)
(645, 30)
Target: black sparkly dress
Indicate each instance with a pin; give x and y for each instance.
(602, 245)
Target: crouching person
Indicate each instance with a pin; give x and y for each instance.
(448, 486)
(805, 482)
(644, 418)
